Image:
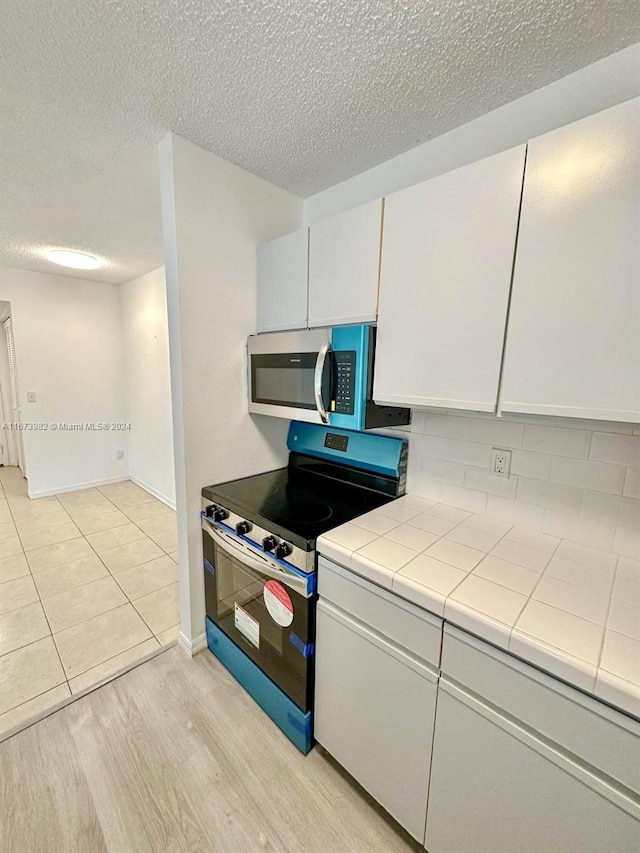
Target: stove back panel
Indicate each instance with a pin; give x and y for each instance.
(376, 454)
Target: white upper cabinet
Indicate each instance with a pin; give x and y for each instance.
(282, 282)
(447, 259)
(573, 346)
(344, 267)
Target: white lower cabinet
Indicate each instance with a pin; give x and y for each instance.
(512, 761)
(375, 711)
(500, 786)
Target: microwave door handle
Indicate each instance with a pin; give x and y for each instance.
(317, 382)
(244, 557)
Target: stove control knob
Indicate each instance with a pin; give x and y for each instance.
(210, 510)
(243, 527)
(219, 514)
(283, 550)
(269, 543)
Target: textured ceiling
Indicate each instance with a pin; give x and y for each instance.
(301, 92)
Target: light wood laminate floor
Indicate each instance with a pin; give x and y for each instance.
(175, 756)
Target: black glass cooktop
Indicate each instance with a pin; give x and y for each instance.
(304, 500)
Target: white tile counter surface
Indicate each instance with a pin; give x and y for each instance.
(571, 610)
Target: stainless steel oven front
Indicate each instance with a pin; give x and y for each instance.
(266, 609)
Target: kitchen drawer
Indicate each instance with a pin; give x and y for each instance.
(584, 727)
(498, 788)
(402, 622)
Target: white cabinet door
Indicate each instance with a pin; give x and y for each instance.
(496, 788)
(282, 282)
(374, 712)
(447, 258)
(573, 344)
(344, 267)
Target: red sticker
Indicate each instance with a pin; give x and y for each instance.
(278, 603)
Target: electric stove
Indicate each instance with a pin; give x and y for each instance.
(259, 539)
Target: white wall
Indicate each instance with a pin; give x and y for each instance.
(596, 87)
(68, 340)
(214, 216)
(147, 384)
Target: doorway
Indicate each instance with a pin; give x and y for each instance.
(11, 440)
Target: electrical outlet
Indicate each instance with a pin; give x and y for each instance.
(119, 455)
(500, 462)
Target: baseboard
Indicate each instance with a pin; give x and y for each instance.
(192, 647)
(148, 488)
(61, 490)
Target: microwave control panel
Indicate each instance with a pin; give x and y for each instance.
(345, 382)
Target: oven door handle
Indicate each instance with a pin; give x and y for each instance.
(317, 381)
(245, 557)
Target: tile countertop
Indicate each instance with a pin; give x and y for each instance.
(570, 610)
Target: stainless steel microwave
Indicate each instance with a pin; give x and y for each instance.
(322, 376)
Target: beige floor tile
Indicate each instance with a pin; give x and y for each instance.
(33, 540)
(149, 510)
(167, 541)
(15, 488)
(108, 539)
(7, 530)
(20, 627)
(168, 636)
(126, 556)
(90, 511)
(17, 593)
(82, 498)
(124, 660)
(8, 472)
(28, 672)
(86, 512)
(33, 708)
(52, 556)
(174, 557)
(130, 497)
(84, 602)
(15, 566)
(5, 515)
(98, 523)
(11, 546)
(70, 576)
(35, 510)
(38, 520)
(18, 502)
(160, 610)
(92, 642)
(158, 525)
(148, 577)
(122, 487)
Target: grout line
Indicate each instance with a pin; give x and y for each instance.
(26, 701)
(40, 600)
(30, 643)
(55, 645)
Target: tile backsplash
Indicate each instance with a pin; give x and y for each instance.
(576, 479)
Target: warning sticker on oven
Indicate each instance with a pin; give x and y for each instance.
(247, 625)
(278, 602)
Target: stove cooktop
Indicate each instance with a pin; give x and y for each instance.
(295, 503)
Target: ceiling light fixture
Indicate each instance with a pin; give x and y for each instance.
(75, 260)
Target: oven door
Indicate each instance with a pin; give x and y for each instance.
(290, 375)
(263, 609)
